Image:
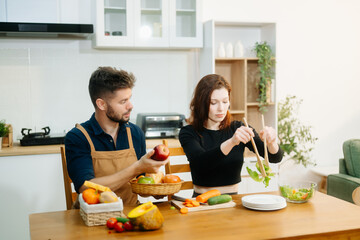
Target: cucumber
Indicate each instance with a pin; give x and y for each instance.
(219, 199)
(122, 220)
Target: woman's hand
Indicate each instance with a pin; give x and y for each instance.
(270, 134)
(242, 134)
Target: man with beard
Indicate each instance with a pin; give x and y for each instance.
(108, 149)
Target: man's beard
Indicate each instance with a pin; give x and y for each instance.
(110, 113)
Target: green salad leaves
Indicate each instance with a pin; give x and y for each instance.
(257, 175)
(293, 194)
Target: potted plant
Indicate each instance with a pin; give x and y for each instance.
(295, 138)
(4, 130)
(266, 69)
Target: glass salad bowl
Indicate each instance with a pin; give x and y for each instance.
(297, 191)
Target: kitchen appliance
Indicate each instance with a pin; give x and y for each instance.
(40, 138)
(160, 125)
(45, 29)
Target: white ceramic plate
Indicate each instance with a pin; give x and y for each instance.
(266, 208)
(265, 202)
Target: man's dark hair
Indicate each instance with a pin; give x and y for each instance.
(105, 80)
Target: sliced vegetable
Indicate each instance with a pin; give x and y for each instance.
(219, 199)
(209, 194)
(184, 210)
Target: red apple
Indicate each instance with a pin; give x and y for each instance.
(161, 152)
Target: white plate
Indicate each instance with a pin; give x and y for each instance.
(264, 202)
(266, 208)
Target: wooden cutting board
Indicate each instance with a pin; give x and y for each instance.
(179, 204)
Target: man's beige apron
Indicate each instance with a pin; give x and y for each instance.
(109, 162)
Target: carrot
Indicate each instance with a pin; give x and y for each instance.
(184, 210)
(195, 203)
(188, 205)
(209, 194)
(188, 200)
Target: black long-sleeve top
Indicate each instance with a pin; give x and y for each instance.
(209, 166)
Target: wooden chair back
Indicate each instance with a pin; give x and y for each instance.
(178, 168)
(70, 196)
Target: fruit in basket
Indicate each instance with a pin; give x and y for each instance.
(169, 178)
(108, 197)
(146, 180)
(147, 216)
(96, 186)
(162, 152)
(158, 177)
(91, 196)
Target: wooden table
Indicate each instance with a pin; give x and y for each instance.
(323, 217)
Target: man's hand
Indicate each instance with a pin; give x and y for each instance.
(148, 165)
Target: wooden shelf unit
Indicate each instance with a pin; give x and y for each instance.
(243, 75)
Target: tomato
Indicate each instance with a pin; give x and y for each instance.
(119, 227)
(171, 179)
(305, 196)
(128, 226)
(110, 223)
(91, 196)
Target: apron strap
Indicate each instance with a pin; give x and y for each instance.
(82, 129)
(128, 130)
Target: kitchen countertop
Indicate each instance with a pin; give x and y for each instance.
(18, 150)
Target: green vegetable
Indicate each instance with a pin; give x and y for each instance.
(122, 220)
(254, 175)
(219, 199)
(172, 208)
(258, 176)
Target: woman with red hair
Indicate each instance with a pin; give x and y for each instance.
(214, 145)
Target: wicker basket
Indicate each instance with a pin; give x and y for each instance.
(98, 214)
(96, 219)
(155, 189)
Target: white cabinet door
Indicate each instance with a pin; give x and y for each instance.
(185, 24)
(151, 21)
(32, 11)
(3, 17)
(114, 23)
(148, 24)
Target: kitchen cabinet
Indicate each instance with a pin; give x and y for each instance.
(46, 11)
(29, 11)
(29, 184)
(148, 24)
(241, 72)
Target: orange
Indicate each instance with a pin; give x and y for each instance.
(91, 196)
(171, 179)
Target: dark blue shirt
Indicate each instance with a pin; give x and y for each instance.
(78, 153)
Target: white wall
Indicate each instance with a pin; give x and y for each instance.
(45, 81)
(317, 60)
